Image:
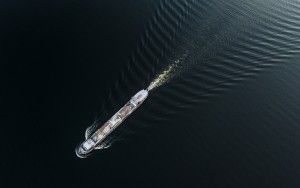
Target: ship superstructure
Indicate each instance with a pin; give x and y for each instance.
(95, 140)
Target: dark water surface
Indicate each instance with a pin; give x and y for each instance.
(229, 117)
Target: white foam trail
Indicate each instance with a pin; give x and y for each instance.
(164, 76)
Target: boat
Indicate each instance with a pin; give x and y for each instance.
(96, 140)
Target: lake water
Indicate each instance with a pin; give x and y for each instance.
(227, 115)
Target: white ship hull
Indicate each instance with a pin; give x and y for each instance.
(95, 140)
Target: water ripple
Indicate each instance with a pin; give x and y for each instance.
(228, 42)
